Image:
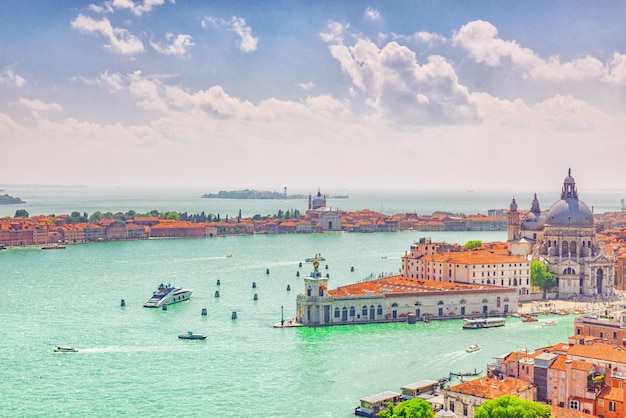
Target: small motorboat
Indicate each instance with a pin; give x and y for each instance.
(191, 336)
(548, 324)
(65, 349)
(472, 348)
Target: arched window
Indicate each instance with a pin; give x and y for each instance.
(462, 302)
(569, 270)
(337, 312)
(440, 302)
(321, 292)
(364, 311)
(309, 291)
(380, 310)
(572, 248)
(485, 300)
(352, 311)
(565, 251)
(344, 314)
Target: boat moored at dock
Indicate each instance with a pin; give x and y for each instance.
(484, 323)
(166, 295)
(371, 405)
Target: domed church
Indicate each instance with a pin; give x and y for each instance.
(564, 239)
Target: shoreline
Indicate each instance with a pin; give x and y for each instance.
(579, 306)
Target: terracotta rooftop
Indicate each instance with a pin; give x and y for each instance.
(491, 387)
(607, 352)
(402, 285)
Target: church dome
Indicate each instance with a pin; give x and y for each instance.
(534, 220)
(569, 211)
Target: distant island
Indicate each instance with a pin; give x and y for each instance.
(252, 194)
(10, 200)
(259, 194)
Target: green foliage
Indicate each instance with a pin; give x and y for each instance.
(21, 213)
(95, 217)
(473, 244)
(540, 276)
(413, 408)
(172, 215)
(510, 406)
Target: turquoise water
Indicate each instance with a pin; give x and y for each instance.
(131, 363)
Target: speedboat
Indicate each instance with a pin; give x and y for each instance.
(472, 348)
(166, 295)
(548, 324)
(65, 349)
(191, 336)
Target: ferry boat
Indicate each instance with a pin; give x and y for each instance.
(483, 323)
(53, 247)
(191, 336)
(318, 257)
(166, 295)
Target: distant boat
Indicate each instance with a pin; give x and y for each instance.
(548, 324)
(191, 336)
(472, 348)
(53, 247)
(318, 257)
(65, 349)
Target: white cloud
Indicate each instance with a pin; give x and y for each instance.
(429, 38)
(399, 87)
(135, 8)
(179, 45)
(247, 42)
(38, 105)
(481, 40)
(9, 78)
(306, 86)
(371, 14)
(121, 41)
(115, 81)
(335, 32)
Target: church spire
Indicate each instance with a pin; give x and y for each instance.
(569, 187)
(535, 206)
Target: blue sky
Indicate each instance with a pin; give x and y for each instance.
(353, 94)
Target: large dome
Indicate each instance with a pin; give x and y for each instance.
(569, 211)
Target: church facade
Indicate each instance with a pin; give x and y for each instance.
(564, 239)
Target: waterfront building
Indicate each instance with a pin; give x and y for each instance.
(322, 218)
(564, 239)
(584, 375)
(488, 265)
(464, 398)
(398, 298)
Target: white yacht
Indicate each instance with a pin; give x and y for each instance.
(166, 295)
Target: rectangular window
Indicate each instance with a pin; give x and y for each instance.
(611, 406)
(573, 405)
(452, 406)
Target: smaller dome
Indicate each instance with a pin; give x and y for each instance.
(533, 222)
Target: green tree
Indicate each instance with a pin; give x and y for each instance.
(540, 277)
(95, 217)
(510, 406)
(21, 213)
(472, 244)
(413, 408)
(172, 215)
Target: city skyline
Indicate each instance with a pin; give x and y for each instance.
(401, 95)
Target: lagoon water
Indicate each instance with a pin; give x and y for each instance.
(131, 363)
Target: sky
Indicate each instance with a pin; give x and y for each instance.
(407, 95)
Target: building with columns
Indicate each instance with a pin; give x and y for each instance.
(564, 239)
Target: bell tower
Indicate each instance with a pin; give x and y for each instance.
(513, 218)
(311, 310)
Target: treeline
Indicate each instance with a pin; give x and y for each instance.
(77, 217)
